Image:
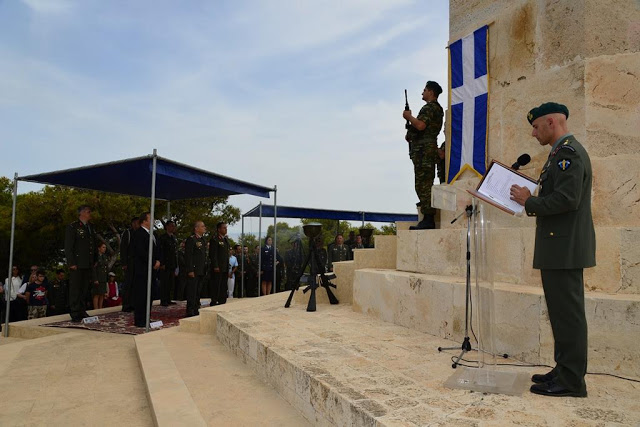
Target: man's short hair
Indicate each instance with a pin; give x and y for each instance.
(58, 271)
(135, 218)
(169, 223)
(195, 224)
(143, 216)
(83, 207)
(435, 87)
(236, 247)
(220, 224)
(40, 272)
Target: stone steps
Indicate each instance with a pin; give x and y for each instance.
(340, 367)
(192, 380)
(435, 305)
(442, 252)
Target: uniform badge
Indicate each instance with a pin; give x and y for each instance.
(564, 164)
(198, 244)
(529, 116)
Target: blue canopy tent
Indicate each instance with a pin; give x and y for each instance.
(148, 176)
(276, 211)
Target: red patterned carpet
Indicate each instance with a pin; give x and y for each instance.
(122, 323)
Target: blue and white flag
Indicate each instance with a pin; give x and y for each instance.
(468, 104)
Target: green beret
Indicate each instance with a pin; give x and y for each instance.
(547, 108)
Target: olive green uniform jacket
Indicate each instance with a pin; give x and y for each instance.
(565, 237)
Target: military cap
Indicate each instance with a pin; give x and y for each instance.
(435, 87)
(547, 108)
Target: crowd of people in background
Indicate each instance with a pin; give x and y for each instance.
(201, 266)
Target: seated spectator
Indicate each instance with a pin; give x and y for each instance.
(58, 295)
(112, 297)
(36, 295)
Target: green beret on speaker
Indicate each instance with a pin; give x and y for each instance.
(547, 108)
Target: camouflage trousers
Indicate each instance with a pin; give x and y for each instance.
(424, 160)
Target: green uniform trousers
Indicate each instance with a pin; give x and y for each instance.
(564, 293)
(79, 282)
(424, 168)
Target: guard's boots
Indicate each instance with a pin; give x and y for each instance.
(428, 223)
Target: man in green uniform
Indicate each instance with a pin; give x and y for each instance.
(219, 256)
(565, 245)
(168, 263)
(194, 264)
(423, 149)
(338, 251)
(80, 251)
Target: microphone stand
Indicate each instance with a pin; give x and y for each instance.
(466, 343)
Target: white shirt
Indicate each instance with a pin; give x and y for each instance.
(233, 262)
(16, 287)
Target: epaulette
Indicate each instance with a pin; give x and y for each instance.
(565, 144)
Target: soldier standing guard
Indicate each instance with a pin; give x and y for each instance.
(565, 245)
(80, 251)
(168, 263)
(219, 256)
(423, 149)
(194, 263)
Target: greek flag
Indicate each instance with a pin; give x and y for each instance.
(468, 104)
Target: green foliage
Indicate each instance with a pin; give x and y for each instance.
(41, 218)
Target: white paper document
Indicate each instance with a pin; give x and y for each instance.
(497, 183)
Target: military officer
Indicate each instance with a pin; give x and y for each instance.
(194, 262)
(168, 262)
(423, 150)
(80, 251)
(219, 256)
(338, 251)
(565, 244)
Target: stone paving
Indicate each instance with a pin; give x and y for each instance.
(339, 367)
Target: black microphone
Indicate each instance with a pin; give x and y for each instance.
(522, 161)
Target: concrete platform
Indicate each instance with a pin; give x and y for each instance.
(72, 379)
(339, 367)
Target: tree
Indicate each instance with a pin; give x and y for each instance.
(41, 218)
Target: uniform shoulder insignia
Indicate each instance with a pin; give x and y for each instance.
(567, 147)
(564, 164)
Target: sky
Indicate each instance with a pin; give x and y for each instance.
(305, 95)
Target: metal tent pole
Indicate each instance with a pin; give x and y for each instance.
(260, 251)
(242, 243)
(151, 222)
(7, 289)
(362, 219)
(168, 210)
(275, 238)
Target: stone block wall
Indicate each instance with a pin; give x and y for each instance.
(585, 54)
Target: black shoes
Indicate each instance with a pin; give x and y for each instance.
(427, 223)
(554, 389)
(544, 378)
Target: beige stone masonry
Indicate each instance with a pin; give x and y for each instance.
(338, 367)
(435, 305)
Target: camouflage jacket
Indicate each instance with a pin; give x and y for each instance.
(432, 115)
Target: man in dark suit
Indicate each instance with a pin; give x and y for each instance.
(81, 253)
(140, 252)
(126, 259)
(565, 245)
(168, 263)
(219, 256)
(195, 250)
